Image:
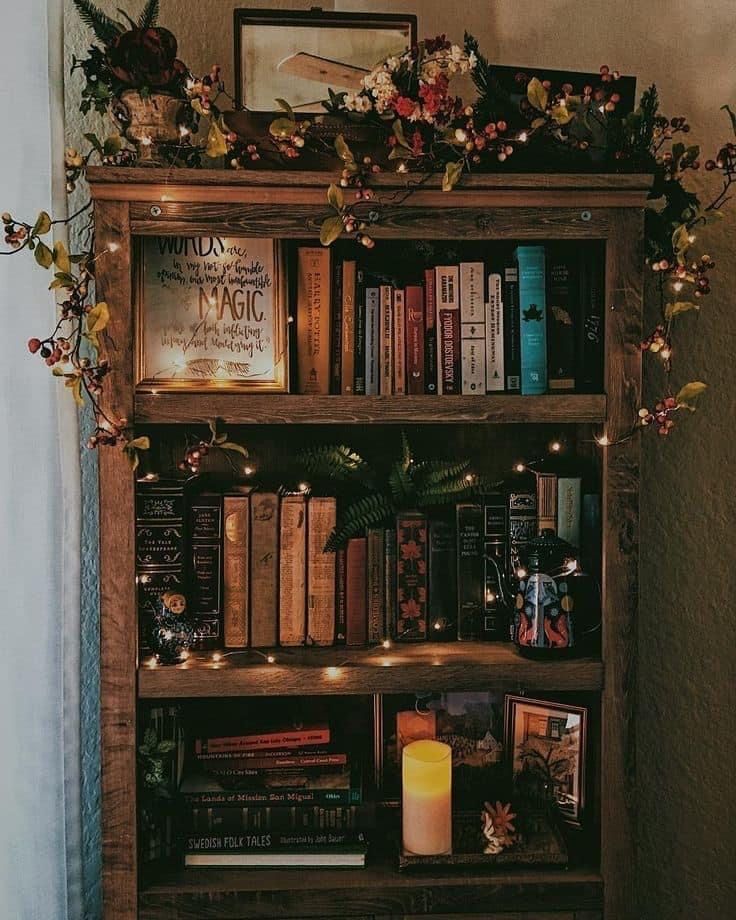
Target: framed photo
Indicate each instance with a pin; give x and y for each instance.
(546, 746)
(211, 314)
(297, 56)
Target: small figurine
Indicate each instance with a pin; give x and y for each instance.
(172, 633)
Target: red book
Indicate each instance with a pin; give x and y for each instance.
(414, 300)
(281, 738)
(356, 588)
(411, 575)
(430, 334)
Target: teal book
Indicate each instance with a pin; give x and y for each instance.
(533, 314)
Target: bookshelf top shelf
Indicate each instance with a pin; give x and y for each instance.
(403, 668)
(172, 406)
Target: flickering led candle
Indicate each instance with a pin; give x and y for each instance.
(426, 799)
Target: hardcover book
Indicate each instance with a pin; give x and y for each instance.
(228, 818)
(447, 296)
(254, 763)
(495, 565)
(386, 350)
(207, 791)
(442, 599)
(473, 364)
(414, 303)
(359, 329)
(375, 584)
(562, 309)
(533, 318)
(205, 536)
(356, 590)
(336, 330)
(372, 340)
(472, 328)
(272, 841)
(313, 320)
(264, 536)
(591, 334)
(389, 573)
(347, 363)
(470, 574)
(236, 568)
(338, 858)
(399, 342)
(276, 740)
(495, 369)
(569, 509)
(511, 328)
(411, 575)
(546, 502)
(430, 333)
(322, 515)
(293, 570)
(341, 614)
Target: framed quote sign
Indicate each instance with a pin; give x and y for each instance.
(211, 313)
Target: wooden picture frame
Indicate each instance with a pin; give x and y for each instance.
(558, 720)
(318, 61)
(211, 314)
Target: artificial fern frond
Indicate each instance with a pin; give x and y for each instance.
(406, 456)
(400, 483)
(368, 511)
(105, 29)
(149, 16)
(335, 461)
(445, 470)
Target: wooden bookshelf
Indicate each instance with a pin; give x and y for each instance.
(292, 204)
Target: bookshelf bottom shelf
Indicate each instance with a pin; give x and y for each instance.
(379, 890)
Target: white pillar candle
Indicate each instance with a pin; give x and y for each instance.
(426, 800)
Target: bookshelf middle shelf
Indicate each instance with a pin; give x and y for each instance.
(402, 668)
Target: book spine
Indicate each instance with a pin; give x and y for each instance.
(236, 764)
(442, 595)
(375, 584)
(359, 327)
(448, 329)
(522, 523)
(271, 841)
(546, 502)
(159, 547)
(399, 342)
(276, 797)
(495, 364)
(469, 571)
(512, 329)
(264, 535)
(472, 328)
(336, 330)
(386, 350)
(590, 534)
(414, 301)
(293, 570)
(279, 740)
(313, 320)
(205, 533)
(569, 509)
(430, 333)
(274, 758)
(255, 817)
(389, 574)
(562, 309)
(357, 610)
(592, 294)
(320, 572)
(372, 339)
(236, 567)
(533, 319)
(411, 576)
(340, 597)
(347, 369)
(495, 564)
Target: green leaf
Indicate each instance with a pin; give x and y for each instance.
(43, 255)
(95, 141)
(677, 152)
(113, 145)
(679, 306)
(216, 143)
(335, 197)
(690, 391)
(61, 258)
(283, 104)
(330, 230)
(342, 150)
(282, 127)
(98, 317)
(142, 443)
(561, 114)
(537, 94)
(42, 225)
(453, 171)
(236, 448)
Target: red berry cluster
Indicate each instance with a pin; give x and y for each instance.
(107, 433)
(355, 176)
(15, 234)
(193, 457)
(657, 341)
(486, 138)
(725, 160)
(204, 87)
(241, 153)
(661, 417)
(292, 145)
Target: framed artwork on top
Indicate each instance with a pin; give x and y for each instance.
(211, 313)
(298, 55)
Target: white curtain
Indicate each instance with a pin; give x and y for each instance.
(39, 506)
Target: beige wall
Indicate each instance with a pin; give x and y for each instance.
(686, 631)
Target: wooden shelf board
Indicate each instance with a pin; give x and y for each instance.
(172, 406)
(339, 670)
(378, 890)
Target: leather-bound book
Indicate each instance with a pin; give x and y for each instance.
(322, 516)
(313, 317)
(264, 536)
(376, 553)
(356, 556)
(411, 575)
(293, 570)
(341, 613)
(347, 364)
(205, 541)
(236, 568)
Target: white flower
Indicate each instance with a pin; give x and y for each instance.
(393, 63)
(456, 54)
(363, 104)
(472, 60)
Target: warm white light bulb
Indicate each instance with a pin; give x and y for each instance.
(386, 643)
(519, 468)
(113, 247)
(216, 656)
(602, 441)
(270, 659)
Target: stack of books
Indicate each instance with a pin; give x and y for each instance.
(527, 323)
(275, 798)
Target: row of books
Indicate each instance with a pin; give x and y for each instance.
(528, 326)
(284, 797)
(254, 569)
